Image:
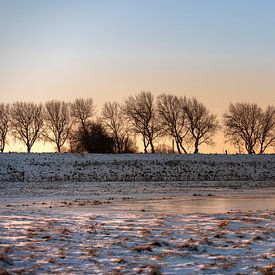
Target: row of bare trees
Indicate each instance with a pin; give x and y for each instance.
(186, 120)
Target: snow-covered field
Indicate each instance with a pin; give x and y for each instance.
(136, 167)
(137, 214)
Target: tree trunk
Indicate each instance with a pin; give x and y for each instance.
(152, 147)
(178, 147)
(196, 151)
(58, 148)
(119, 149)
(185, 152)
(144, 144)
(3, 146)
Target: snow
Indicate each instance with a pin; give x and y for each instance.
(105, 242)
(50, 167)
(137, 214)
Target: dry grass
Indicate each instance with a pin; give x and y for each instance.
(5, 258)
(3, 271)
(223, 223)
(268, 270)
(143, 248)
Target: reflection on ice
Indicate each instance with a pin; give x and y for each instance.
(203, 204)
(108, 241)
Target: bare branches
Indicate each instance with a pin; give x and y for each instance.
(141, 113)
(250, 124)
(82, 110)
(266, 136)
(27, 122)
(4, 124)
(58, 122)
(173, 119)
(201, 123)
(248, 127)
(114, 120)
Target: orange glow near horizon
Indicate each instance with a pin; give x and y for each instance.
(216, 51)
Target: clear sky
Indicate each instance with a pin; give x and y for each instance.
(219, 51)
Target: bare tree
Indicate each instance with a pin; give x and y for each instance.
(173, 119)
(58, 122)
(114, 120)
(201, 123)
(266, 136)
(82, 110)
(128, 144)
(142, 116)
(241, 121)
(4, 124)
(27, 122)
(248, 123)
(238, 144)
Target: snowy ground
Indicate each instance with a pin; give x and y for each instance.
(131, 242)
(135, 168)
(59, 226)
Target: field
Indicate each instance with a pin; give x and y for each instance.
(135, 168)
(137, 214)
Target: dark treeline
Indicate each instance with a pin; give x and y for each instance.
(75, 127)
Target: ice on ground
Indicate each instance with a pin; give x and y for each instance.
(101, 214)
(135, 242)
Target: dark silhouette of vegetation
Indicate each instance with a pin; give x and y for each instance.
(201, 124)
(82, 111)
(94, 139)
(72, 127)
(26, 122)
(58, 122)
(248, 126)
(4, 124)
(142, 117)
(116, 123)
(173, 119)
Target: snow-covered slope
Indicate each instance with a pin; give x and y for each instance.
(51, 167)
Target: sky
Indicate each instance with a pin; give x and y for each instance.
(219, 51)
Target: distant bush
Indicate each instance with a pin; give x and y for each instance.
(93, 139)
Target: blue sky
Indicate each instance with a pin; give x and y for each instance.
(219, 51)
(205, 26)
(65, 48)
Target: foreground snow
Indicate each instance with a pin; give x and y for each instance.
(58, 241)
(136, 214)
